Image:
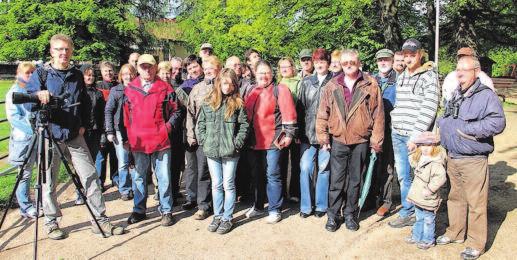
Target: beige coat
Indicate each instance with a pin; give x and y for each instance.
(429, 175)
(196, 99)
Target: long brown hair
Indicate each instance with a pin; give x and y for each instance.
(233, 101)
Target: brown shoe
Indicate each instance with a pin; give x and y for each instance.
(201, 214)
(383, 210)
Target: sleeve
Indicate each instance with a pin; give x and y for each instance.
(438, 178)
(300, 109)
(377, 114)
(201, 127)
(428, 109)
(322, 118)
(33, 86)
(288, 111)
(101, 112)
(492, 123)
(243, 129)
(177, 112)
(14, 115)
(191, 117)
(109, 111)
(84, 111)
(125, 110)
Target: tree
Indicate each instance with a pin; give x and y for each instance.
(101, 30)
(390, 24)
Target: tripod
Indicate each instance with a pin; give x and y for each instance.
(39, 138)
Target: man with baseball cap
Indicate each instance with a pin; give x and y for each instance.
(451, 83)
(387, 79)
(306, 63)
(417, 98)
(206, 50)
(151, 113)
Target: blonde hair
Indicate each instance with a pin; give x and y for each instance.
(215, 98)
(336, 54)
(129, 67)
(415, 157)
(165, 65)
(24, 67)
(214, 61)
(291, 61)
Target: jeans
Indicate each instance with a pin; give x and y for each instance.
(22, 192)
(100, 162)
(83, 165)
(222, 172)
(267, 166)
(160, 160)
(403, 169)
(124, 172)
(311, 157)
(423, 229)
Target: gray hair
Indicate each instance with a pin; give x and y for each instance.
(352, 52)
(474, 60)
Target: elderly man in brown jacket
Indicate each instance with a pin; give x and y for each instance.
(350, 119)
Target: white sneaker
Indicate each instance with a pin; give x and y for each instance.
(253, 213)
(273, 217)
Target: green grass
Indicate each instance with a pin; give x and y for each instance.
(7, 182)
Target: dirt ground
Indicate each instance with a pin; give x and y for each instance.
(292, 238)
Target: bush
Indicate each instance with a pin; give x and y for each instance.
(503, 58)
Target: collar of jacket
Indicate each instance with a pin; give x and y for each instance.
(316, 83)
(69, 71)
(209, 81)
(472, 89)
(137, 84)
(422, 69)
(358, 96)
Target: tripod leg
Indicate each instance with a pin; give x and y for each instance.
(18, 179)
(76, 181)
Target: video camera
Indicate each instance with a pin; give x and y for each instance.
(54, 101)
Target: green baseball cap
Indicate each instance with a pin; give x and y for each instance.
(305, 53)
(384, 53)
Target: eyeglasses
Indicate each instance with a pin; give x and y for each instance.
(61, 49)
(351, 63)
(264, 73)
(305, 59)
(465, 70)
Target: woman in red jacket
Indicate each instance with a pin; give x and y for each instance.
(272, 115)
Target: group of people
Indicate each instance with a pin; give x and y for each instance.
(238, 132)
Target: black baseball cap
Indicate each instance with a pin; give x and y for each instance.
(411, 45)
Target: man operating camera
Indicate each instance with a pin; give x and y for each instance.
(67, 125)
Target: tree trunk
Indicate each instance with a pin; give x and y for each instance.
(431, 25)
(390, 24)
(465, 35)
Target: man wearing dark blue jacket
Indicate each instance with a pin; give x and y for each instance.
(382, 183)
(67, 126)
(473, 116)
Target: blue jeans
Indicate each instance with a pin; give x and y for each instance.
(403, 169)
(160, 160)
(222, 172)
(267, 166)
(124, 172)
(310, 154)
(423, 229)
(22, 192)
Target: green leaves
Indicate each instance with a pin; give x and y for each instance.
(99, 31)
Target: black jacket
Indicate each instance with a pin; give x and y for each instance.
(95, 105)
(113, 111)
(307, 106)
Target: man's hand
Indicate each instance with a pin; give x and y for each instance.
(111, 137)
(81, 129)
(326, 147)
(44, 96)
(285, 142)
(411, 146)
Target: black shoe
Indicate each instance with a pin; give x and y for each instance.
(135, 218)
(319, 214)
(167, 220)
(304, 215)
(351, 223)
(332, 225)
(188, 205)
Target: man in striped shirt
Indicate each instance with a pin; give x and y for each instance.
(415, 110)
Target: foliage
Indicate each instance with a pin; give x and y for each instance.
(503, 57)
(100, 31)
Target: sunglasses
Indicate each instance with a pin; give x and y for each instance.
(351, 63)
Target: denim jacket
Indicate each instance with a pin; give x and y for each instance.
(21, 129)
